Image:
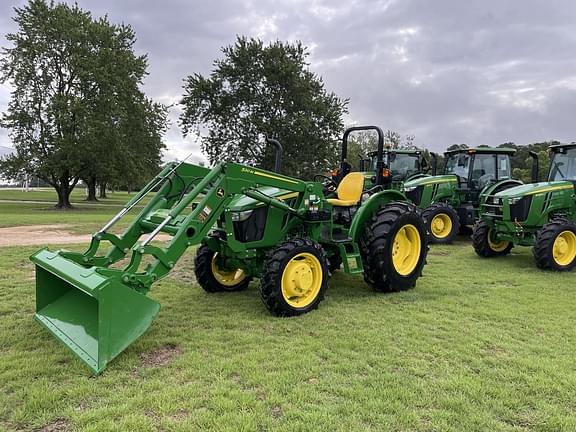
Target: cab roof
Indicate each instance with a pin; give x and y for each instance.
(559, 146)
(484, 150)
(397, 151)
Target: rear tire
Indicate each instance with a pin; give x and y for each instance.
(484, 246)
(394, 246)
(294, 278)
(555, 246)
(214, 279)
(442, 223)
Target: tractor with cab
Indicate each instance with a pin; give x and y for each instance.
(449, 202)
(540, 214)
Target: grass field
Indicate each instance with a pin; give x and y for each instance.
(37, 207)
(477, 346)
(48, 195)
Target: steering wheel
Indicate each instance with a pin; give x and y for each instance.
(484, 180)
(328, 185)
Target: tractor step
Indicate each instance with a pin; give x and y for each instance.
(351, 258)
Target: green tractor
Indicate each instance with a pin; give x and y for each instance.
(400, 165)
(247, 223)
(395, 166)
(449, 202)
(541, 215)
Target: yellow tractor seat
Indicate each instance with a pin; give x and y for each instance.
(349, 190)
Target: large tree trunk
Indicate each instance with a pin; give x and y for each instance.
(103, 190)
(91, 187)
(63, 190)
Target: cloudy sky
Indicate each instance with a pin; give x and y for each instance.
(447, 71)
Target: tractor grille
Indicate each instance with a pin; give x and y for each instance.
(493, 206)
(520, 210)
(415, 195)
(251, 229)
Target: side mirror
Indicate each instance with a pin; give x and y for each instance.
(462, 160)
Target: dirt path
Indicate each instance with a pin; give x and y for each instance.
(29, 235)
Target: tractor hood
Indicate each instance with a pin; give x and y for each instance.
(243, 203)
(422, 181)
(535, 188)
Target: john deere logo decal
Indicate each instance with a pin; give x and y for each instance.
(220, 192)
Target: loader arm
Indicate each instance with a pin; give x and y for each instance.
(215, 191)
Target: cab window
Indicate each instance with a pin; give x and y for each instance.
(458, 164)
(563, 166)
(504, 171)
(484, 170)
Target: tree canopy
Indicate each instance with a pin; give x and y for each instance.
(258, 89)
(361, 143)
(76, 110)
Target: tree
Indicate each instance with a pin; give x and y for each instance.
(75, 79)
(394, 140)
(255, 90)
(522, 162)
(361, 143)
(457, 147)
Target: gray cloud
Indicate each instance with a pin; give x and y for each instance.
(447, 71)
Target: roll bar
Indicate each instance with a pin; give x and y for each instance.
(380, 153)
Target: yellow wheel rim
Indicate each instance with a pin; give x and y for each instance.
(497, 246)
(406, 250)
(441, 225)
(564, 248)
(302, 280)
(225, 277)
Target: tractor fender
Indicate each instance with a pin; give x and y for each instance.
(498, 187)
(369, 207)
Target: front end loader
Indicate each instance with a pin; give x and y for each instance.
(246, 223)
(540, 214)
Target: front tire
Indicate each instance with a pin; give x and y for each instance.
(485, 245)
(442, 222)
(212, 277)
(394, 246)
(555, 246)
(294, 278)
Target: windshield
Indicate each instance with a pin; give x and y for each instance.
(563, 166)
(401, 165)
(458, 164)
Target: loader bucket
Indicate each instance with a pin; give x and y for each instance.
(95, 316)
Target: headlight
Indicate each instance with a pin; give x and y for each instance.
(514, 200)
(410, 188)
(241, 216)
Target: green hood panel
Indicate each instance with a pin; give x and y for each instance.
(535, 188)
(431, 180)
(243, 203)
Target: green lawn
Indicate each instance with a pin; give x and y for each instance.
(477, 346)
(38, 209)
(78, 196)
